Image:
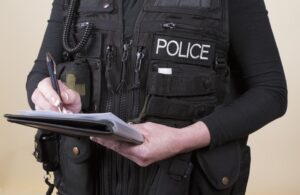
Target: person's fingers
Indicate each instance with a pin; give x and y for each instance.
(48, 92)
(64, 95)
(71, 99)
(35, 96)
(107, 142)
(66, 111)
(70, 96)
(40, 102)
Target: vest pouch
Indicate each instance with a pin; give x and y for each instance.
(221, 168)
(241, 184)
(177, 109)
(173, 176)
(179, 92)
(46, 149)
(75, 166)
(93, 47)
(197, 8)
(181, 80)
(101, 13)
(76, 75)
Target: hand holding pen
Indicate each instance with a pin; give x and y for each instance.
(52, 94)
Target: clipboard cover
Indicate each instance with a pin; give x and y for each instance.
(86, 125)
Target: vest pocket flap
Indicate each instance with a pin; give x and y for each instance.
(205, 8)
(92, 48)
(101, 6)
(174, 108)
(77, 149)
(181, 80)
(76, 75)
(221, 165)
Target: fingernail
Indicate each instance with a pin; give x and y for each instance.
(65, 111)
(92, 138)
(69, 112)
(66, 96)
(55, 101)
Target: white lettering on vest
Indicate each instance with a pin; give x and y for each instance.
(177, 48)
(192, 48)
(187, 50)
(182, 49)
(203, 51)
(159, 41)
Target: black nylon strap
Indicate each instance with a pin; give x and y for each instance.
(174, 85)
(178, 167)
(46, 149)
(50, 185)
(176, 109)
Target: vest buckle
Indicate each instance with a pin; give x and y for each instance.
(220, 63)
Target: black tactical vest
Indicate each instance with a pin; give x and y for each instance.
(174, 71)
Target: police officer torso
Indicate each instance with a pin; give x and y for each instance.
(172, 71)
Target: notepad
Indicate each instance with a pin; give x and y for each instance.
(95, 124)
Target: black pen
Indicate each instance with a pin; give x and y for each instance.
(52, 73)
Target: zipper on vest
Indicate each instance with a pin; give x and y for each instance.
(126, 47)
(82, 25)
(108, 69)
(180, 26)
(107, 3)
(121, 88)
(137, 68)
(188, 28)
(169, 25)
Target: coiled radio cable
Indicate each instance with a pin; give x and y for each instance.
(67, 29)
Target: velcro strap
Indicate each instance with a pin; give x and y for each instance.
(178, 167)
(176, 109)
(220, 63)
(46, 150)
(182, 85)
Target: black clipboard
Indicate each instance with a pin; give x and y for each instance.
(86, 125)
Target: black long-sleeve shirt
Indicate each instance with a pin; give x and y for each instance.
(254, 60)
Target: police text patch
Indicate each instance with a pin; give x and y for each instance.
(183, 50)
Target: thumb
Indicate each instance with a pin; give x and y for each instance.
(68, 95)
